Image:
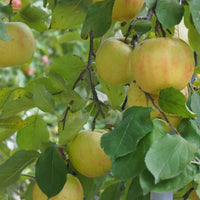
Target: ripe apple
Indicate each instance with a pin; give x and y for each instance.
(87, 156)
(112, 62)
(136, 97)
(20, 49)
(125, 9)
(72, 190)
(162, 62)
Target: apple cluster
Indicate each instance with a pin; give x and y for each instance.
(154, 64)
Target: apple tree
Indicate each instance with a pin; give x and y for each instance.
(99, 99)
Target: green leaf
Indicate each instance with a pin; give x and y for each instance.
(5, 134)
(33, 134)
(115, 94)
(69, 37)
(11, 169)
(168, 156)
(29, 191)
(173, 101)
(51, 171)
(169, 12)
(72, 99)
(142, 26)
(98, 19)
(34, 17)
(5, 10)
(189, 129)
(4, 95)
(133, 164)
(195, 105)
(67, 13)
(135, 191)
(43, 99)
(12, 123)
(178, 182)
(74, 122)
(123, 139)
(111, 192)
(3, 32)
(69, 67)
(195, 11)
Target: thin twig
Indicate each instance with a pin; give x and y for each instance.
(10, 3)
(95, 97)
(94, 120)
(28, 175)
(187, 194)
(64, 118)
(162, 113)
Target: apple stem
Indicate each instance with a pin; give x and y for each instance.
(162, 113)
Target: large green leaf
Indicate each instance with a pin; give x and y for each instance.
(147, 181)
(34, 17)
(195, 11)
(51, 171)
(11, 169)
(123, 139)
(133, 164)
(189, 129)
(173, 101)
(74, 122)
(3, 32)
(168, 156)
(169, 12)
(69, 13)
(43, 99)
(4, 134)
(69, 67)
(33, 134)
(98, 19)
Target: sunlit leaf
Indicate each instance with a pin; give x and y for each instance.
(168, 156)
(11, 169)
(173, 101)
(33, 134)
(6, 134)
(195, 11)
(51, 171)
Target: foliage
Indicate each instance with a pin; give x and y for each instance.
(45, 103)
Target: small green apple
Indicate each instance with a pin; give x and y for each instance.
(162, 62)
(113, 62)
(72, 190)
(87, 156)
(20, 49)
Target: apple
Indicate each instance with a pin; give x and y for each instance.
(162, 62)
(112, 62)
(136, 97)
(87, 156)
(16, 5)
(20, 48)
(125, 9)
(72, 190)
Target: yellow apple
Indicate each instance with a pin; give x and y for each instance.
(136, 97)
(112, 62)
(162, 62)
(20, 49)
(87, 156)
(72, 190)
(125, 9)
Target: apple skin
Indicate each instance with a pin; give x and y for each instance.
(20, 49)
(113, 62)
(162, 62)
(126, 9)
(72, 190)
(136, 97)
(87, 156)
